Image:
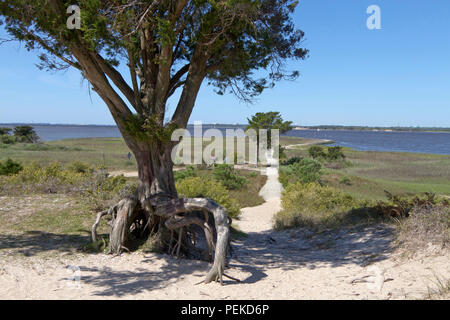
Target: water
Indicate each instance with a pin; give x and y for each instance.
(421, 142)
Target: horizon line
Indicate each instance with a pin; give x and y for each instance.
(226, 124)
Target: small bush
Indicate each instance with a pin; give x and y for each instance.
(5, 131)
(314, 206)
(79, 167)
(304, 171)
(228, 177)
(7, 139)
(346, 180)
(316, 152)
(252, 175)
(190, 171)
(102, 191)
(290, 161)
(50, 179)
(335, 153)
(10, 167)
(202, 187)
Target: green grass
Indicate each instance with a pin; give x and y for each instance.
(109, 152)
(372, 172)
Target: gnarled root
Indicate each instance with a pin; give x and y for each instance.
(171, 210)
(175, 215)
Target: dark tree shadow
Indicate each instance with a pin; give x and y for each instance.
(34, 242)
(297, 248)
(254, 255)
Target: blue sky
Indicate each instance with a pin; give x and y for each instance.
(399, 75)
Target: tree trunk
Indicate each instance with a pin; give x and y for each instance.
(156, 211)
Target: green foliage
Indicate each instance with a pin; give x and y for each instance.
(316, 152)
(335, 153)
(332, 154)
(204, 187)
(254, 35)
(79, 167)
(10, 167)
(252, 175)
(102, 191)
(228, 177)
(190, 171)
(399, 206)
(268, 121)
(314, 206)
(345, 180)
(304, 171)
(149, 128)
(49, 179)
(291, 160)
(5, 131)
(25, 134)
(7, 139)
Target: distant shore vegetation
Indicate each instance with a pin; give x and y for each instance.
(367, 128)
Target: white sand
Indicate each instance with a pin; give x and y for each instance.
(357, 264)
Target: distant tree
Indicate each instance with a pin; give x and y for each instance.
(164, 45)
(5, 131)
(269, 121)
(25, 134)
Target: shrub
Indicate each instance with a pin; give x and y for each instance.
(7, 139)
(290, 161)
(79, 167)
(102, 191)
(228, 177)
(345, 180)
(202, 187)
(316, 152)
(306, 171)
(190, 171)
(252, 175)
(314, 206)
(10, 167)
(5, 131)
(335, 153)
(50, 179)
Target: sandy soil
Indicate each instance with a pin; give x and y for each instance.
(346, 264)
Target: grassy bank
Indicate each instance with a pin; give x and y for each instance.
(369, 173)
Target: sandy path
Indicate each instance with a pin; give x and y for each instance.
(344, 264)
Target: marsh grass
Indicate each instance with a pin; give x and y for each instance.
(372, 172)
(318, 207)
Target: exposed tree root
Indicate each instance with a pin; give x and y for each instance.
(175, 213)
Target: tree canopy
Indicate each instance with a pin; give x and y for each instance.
(268, 121)
(239, 46)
